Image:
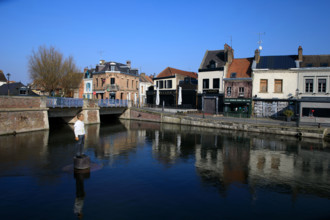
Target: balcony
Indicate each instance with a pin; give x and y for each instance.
(111, 87)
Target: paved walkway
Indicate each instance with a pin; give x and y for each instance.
(265, 121)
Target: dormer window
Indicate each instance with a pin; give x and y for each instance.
(112, 68)
(233, 75)
(212, 64)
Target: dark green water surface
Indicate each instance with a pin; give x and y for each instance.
(146, 170)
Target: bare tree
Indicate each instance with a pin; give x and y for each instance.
(49, 70)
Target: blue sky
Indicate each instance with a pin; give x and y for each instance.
(157, 34)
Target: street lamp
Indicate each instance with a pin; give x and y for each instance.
(8, 75)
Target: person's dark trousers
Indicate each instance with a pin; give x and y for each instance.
(80, 145)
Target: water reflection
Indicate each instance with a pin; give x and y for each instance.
(80, 176)
(134, 154)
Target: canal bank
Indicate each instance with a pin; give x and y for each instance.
(218, 122)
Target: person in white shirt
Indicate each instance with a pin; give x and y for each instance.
(79, 132)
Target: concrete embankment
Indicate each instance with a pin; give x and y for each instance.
(145, 115)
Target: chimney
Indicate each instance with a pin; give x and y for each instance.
(102, 62)
(257, 55)
(300, 55)
(229, 53)
(85, 69)
(128, 63)
(143, 74)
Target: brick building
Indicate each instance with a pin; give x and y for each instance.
(113, 80)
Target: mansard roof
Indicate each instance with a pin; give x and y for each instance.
(2, 77)
(120, 67)
(315, 61)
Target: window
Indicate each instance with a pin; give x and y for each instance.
(112, 68)
(142, 89)
(212, 64)
(161, 84)
(127, 83)
(132, 84)
(322, 85)
(169, 84)
(309, 65)
(137, 84)
(205, 83)
(216, 83)
(22, 91)
(97, 82)
(323, 64)
(228, 91)
(103, 81)
(112, 81)
(309, 85)
(263, 85)
(233, 75)
(278, 86)
(157, 84)
(88, 87)
(241, 91)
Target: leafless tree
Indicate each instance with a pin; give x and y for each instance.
(50, 71)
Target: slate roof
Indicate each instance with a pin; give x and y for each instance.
(169, 71)
(277, 62)
(242, 68)
(2, 77)
(123, 68)
(14, 89)
(218, 56)
(315, 61)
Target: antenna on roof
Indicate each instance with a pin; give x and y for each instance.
(260, 41)
(101, 53)
(231, 41)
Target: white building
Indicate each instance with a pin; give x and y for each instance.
(274, 80)
(211, 73)
(145, 83)
(313, 88)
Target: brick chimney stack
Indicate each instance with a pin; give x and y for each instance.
(229, 53)
(257, 55)
(300, 54)
(102, 62)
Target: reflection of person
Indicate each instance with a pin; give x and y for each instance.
(80, 194)
(79, 132)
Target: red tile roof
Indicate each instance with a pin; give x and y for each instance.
(146, 78)
(169, 71)
(242, 68)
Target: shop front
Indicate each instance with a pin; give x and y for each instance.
(238, 107)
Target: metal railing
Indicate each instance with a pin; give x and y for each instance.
(112, 103)
(59, 102)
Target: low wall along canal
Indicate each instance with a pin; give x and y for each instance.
(145, 115)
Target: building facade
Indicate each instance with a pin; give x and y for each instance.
(88, 84)
(211, 73)
(113, 80)
(313, 88)
(238, 88)
(274, 84)
(167, 82)
(145, 83)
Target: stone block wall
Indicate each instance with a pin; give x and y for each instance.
(22, 114)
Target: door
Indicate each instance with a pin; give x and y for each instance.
(209, 106)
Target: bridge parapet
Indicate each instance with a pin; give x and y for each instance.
(112, 103)
(59, 102)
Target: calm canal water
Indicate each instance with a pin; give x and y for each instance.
(152, 171)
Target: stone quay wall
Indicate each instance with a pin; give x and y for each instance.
(145, 115)
(21, 114)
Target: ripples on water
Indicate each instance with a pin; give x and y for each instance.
(153, 171)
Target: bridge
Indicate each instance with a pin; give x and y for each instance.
(22, 113)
